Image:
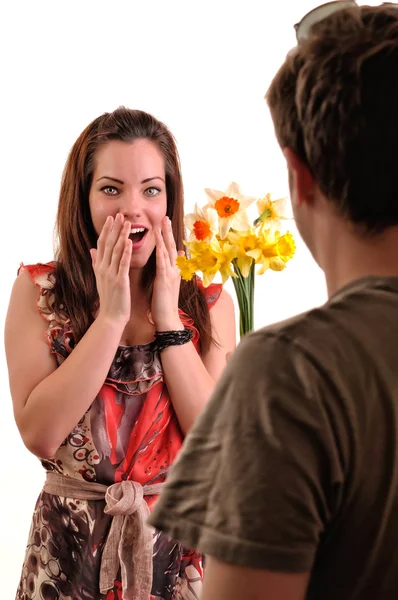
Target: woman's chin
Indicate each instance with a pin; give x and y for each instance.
(136, 265)
(138, 261)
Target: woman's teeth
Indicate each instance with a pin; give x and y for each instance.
(137, 233)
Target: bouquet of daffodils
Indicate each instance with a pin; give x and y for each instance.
(223, 240)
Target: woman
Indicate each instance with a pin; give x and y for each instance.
(121, 359)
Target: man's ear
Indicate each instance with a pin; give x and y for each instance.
(301, 181)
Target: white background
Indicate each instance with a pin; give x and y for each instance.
(202, 68)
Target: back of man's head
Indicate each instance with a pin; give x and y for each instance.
(334, 102)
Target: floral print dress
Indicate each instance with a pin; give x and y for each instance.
(129, 432)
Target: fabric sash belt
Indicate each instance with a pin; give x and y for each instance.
(129, 543)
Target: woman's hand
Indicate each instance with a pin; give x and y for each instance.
(111, 264)
(166, 287)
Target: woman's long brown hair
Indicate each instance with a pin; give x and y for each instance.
(75, 290)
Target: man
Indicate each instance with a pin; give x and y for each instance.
(289, 480)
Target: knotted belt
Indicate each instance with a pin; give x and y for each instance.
(129, 543)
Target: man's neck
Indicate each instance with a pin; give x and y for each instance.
(348, 256)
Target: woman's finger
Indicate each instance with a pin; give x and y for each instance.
(112, 239)
(161, 252)
(124, 263)
(93, 254)
(169, 241)
(119, 247)
(103, 237)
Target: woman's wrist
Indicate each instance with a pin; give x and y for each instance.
(165, 339)
(111, 329)
(172, 323)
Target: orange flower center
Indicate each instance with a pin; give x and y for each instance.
(201, 230)
(226, 207)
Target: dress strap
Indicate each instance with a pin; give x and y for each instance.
(43, 276)
(212, 292)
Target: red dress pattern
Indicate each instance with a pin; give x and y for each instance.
(129, 432)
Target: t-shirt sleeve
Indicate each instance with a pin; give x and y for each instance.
(258, 477)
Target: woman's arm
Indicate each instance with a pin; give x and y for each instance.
(191, 379)
(49, 401)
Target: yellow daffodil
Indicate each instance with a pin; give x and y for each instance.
(213, 258)
(245, 242)
(231, 208)
(222, 240)
(275, 252)
(202, 224)
(271, 212)
(187, 267)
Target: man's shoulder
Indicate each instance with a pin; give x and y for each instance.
(307, 342)
(340, 344)
(303, 330)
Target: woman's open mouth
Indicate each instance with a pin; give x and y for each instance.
(137, 234)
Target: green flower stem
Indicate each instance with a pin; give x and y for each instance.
(264, 215)
(244, 288)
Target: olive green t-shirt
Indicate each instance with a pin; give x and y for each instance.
(293, 466)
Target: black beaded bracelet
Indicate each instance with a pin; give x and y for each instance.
(164, 339)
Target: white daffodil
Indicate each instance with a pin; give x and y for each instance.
(271, 212)
(202, 224)
(231, 207)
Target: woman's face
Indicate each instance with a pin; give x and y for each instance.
(130, 178)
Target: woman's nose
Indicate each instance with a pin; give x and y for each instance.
(132, 204)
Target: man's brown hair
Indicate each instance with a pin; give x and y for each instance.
(334, 102)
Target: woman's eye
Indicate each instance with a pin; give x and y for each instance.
(152, 191)
(109, 190)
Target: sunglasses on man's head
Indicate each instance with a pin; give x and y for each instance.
(322, 12)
